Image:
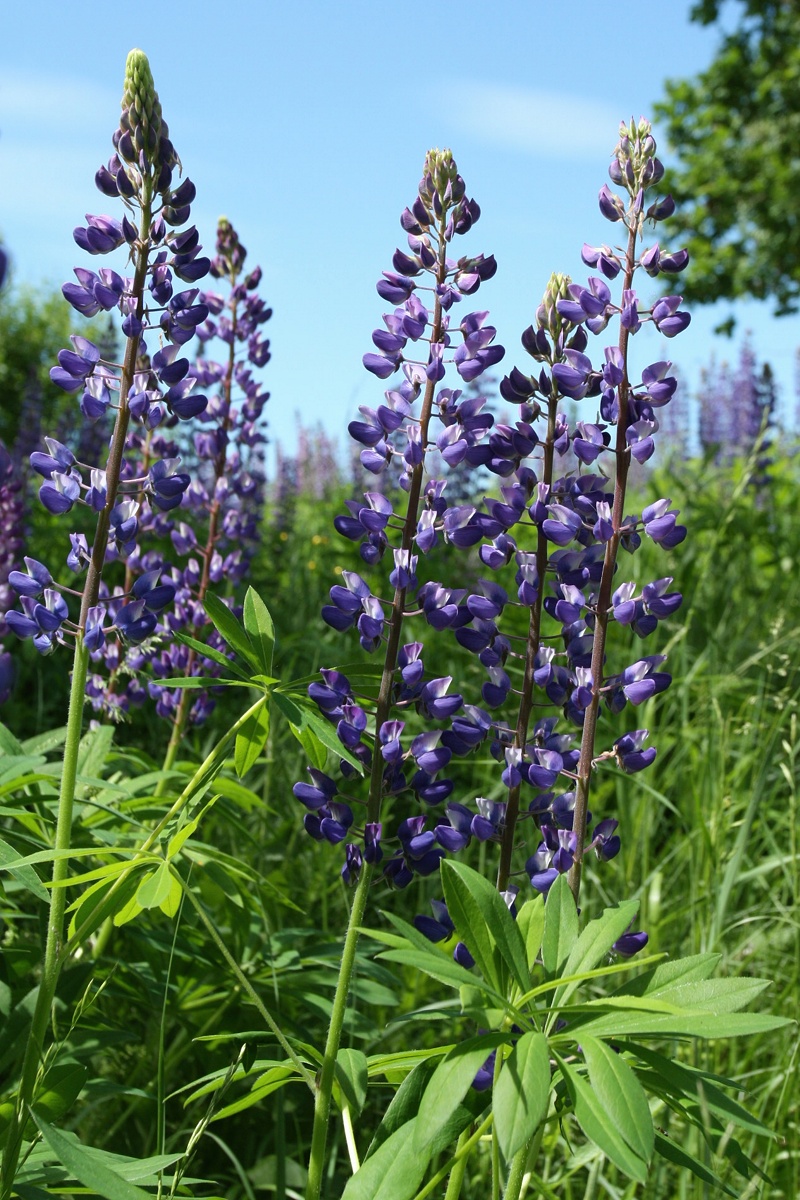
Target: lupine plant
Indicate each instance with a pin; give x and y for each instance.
(557, 529)
(140, 174)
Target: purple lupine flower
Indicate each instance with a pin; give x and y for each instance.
(414, 349)
(216, 518)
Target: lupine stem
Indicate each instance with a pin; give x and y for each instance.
(383, 708)
(531, 650)
(604, 596)
(322, 1103)
(179, 720)
(54, 957)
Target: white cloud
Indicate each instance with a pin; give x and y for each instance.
(535, 121)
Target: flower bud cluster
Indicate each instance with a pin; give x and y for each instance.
(548, 542)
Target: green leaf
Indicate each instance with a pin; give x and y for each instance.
(226, 624)
(61, 1087)
(600, 1128)
(404, 1105)
(202, 681)
(25, 875)
(702, 1025)
(88, 1169)
(155, 889)
(522, 1093)
(127, 912)
(697, 966)
(259, 628)
(450, 1083)
(693, 1085)
(171, 903)
(8, 743)
(393, 1172)
(593, 944)
(621, 1095)
(314, 750)
(530, 922)
(93, 751)
(211, 652)
(303, 715)
(440, 967)
(560, 927)
(96, 903)
(711, 995)
(352, 1075)
(474, 892)
(251, 739)
(688, 1162)
(470, 924)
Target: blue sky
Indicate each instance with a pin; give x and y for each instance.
(307, 125)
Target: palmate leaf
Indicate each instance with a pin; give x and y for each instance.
(695, 1086)
(530, 922)
(696, 966)
(686, 1024)
(405, 1103)
(674, 1154)
(25, 875)
(522, 1094)
(211, 652)
(414, 949)
(306, 723)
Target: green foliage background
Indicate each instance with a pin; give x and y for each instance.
(156, 1033)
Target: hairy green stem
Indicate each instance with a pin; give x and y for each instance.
(322, 1101)
(456, 1180)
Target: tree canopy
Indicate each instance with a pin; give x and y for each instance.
(735, 129)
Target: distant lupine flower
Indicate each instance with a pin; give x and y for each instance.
(737, 411)
(140, 393)
(192, 533)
